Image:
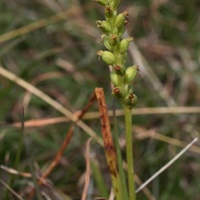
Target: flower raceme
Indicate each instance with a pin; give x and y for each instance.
(113, 28)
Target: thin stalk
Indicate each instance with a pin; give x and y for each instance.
(18, 156)
(129, 152)
(119, 158)
(20, 146)
(32, 170)
(101, 185)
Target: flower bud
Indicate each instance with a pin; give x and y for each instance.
(119, 70)
(106, 42)
(124, 44)
(130, 74)
(102, 2)
(113, 40)
(119, 20)
(120, 31)
(118, 92)
(104, 26)
(109, 12)
(107, 57)
(115, 79)
(131, 100)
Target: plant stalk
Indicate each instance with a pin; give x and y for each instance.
(119, 158)
(129, 152)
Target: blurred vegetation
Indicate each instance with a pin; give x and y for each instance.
(58, 56)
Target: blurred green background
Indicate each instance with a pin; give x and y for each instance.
(52, 45)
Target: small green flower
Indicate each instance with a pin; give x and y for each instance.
(113, 40)
(130, 74)
(120, 19)
(104, 26)
(118, 92)
(107, 57)
(109, 13)
(106, 43)
(124, 44)
(131, 100)
(115, 78)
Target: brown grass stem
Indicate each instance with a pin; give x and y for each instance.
(108, 143)
(88, 170)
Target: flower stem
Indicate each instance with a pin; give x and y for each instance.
(129, 152)
(119, 158)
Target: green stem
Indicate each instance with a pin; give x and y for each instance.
(119, 159)
(129, 152)
(18, 156)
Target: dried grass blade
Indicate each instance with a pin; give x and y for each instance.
(11, 190)
(167, 165)
(10, 76)
(88, 170)
(108, 143)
